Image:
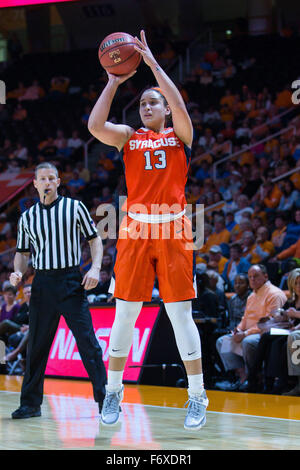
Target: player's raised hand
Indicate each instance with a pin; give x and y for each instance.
(143, 48)
(118, 79)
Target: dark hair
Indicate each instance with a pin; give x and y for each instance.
(236, 246)
(10, 289)
(168, 118)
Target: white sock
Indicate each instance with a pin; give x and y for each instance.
(195, 384)
(114, 380)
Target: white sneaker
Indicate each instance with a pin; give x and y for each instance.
(196, 413)
(111, 407)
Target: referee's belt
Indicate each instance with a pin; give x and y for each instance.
(155, 218)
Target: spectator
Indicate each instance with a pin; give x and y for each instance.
(243, 207)
(237, 350)
(9, 309)
(75, 141)
(59, 87)
(76, 184)
(279, 233)
(216, 260)
(272, 349)
(20, 113)
(207, 140)
(247, 243)
(289, 197)
(294, 336)
(218, 236)
(33, 92)
(236, 264)
(262, 249)
(237, 303)
(216, 284)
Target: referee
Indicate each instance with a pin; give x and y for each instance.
(51, 231)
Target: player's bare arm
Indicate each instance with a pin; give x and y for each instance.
(181, 121)
(115, 135)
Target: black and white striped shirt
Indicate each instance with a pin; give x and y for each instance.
(53, 233)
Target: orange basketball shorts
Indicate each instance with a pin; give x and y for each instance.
(147, 250)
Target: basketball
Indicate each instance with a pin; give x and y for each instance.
(117, 54)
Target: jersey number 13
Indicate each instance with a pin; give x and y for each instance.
(161, 154)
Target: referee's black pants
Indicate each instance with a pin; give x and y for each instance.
(54, 293)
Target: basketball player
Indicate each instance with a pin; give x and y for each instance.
(156, 162)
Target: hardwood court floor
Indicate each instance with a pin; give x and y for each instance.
(152, 419)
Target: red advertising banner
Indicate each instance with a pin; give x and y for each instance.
(22, 3)
(64, 359)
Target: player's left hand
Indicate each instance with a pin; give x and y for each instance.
(91, 279)
(143, 48)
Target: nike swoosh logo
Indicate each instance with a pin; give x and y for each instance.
(116, 350)
(189, 354)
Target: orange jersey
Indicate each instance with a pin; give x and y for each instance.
(156, 167)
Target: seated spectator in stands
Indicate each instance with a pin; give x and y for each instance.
(102, 173)
(61, 143)
(247, 244)
(262, 249)
(284, 99)
(75, 141)
(236, 264)
(269, 194)
(16, 328)
(47, 148)
(218, 236)
(20, 113)
(21, 153)
(272, 349)
(17, 92)
(86, 115)
(253, 183)
(227, 99)
(293, 228)
(216, 284)
(279, 233)
(211, 117)
(207, 140)
(206, 303)
(230, 222)
(237, 350)
(230, 69)
(243, 132)
(84, 173)
(59, 87)
(33, 92)
(106, 195)
(216, 260)
(66, 174)
(289, 197)
(243, 206)
(76, 184)
(5, 225)
(103, 284)
(9, 309)
(294, 336)
(292, 251)
(237, 303)
(107, 263)
(257, 222)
